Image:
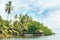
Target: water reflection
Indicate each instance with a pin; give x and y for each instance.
(52, 37)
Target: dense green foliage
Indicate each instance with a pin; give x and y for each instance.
(23, 24)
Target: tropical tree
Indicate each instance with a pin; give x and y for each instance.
(8, 8)
(24, 21)
(1, 23)
(33, 27)
(16, 17)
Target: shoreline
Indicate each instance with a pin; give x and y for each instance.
(11, 36)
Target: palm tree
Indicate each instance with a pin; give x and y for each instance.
(8, 8)
(16, 17)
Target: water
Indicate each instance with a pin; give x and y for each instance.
(52, 37)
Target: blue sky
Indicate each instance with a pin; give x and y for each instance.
(45, 11)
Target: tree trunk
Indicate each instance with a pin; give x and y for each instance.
(7, 16)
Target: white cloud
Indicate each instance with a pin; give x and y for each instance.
(53, 20)
(48, 3)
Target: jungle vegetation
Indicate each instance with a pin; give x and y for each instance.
(22, 24)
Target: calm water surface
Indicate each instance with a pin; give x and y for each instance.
(53, 37)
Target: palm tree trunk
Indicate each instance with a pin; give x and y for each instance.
(7, 16)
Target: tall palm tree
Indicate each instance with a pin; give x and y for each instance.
(8, 8)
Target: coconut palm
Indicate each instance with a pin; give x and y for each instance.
(8, 8)
(16, 17)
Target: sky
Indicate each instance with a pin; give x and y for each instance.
(44, 11)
